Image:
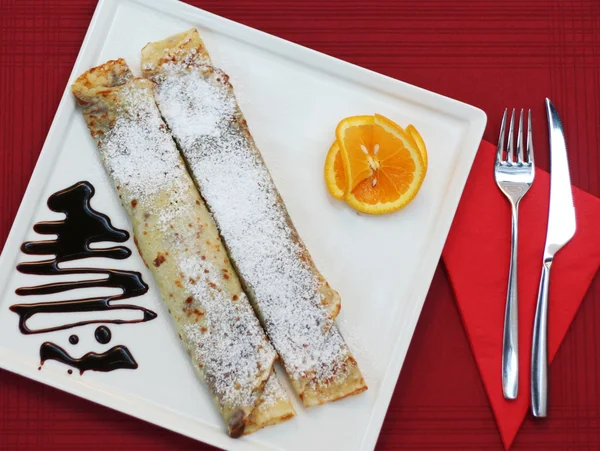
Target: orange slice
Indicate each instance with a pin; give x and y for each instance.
(335, 177)
(383, 166)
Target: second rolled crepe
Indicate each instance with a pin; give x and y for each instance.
(292, 299)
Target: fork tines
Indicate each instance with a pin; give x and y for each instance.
(508, 157)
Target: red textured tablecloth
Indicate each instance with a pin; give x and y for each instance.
(491, 54)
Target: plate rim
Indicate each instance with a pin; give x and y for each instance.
(474, 117)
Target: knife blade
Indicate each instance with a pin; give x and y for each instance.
(561, 228)
(561, 215)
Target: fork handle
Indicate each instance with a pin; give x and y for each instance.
(510, 343)
(539, 351)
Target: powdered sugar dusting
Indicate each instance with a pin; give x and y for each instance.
(229, 340)
(273, 392)
(205, 119)
(139, 146)
(217, 324)
(174, 209)
(203, 115)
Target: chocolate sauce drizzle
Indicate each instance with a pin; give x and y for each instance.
(115, 358)
(82, 227)
(102, 335)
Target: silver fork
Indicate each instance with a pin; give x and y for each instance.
(514, 176)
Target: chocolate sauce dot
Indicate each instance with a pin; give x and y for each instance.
(70, 371)
(103, 335)
(73, 339)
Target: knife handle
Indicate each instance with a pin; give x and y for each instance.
(539, 351)
(510, 341)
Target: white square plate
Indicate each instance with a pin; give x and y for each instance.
(293, 98)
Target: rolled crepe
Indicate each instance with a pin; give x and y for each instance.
(292, 299)
(179, 242)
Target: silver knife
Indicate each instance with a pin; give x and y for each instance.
(561, 228)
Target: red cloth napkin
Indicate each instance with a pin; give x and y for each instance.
(477, 255)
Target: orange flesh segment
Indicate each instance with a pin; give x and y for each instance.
(355, 137)
(340, 175)
(335, 176)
